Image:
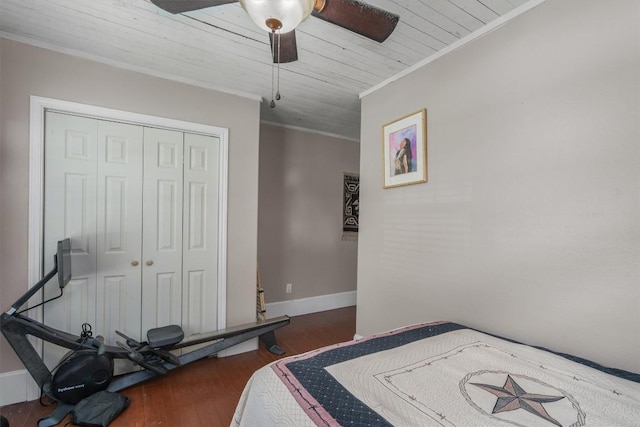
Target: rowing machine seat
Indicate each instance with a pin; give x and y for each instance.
(165, 336)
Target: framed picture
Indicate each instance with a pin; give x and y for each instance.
(404, 150)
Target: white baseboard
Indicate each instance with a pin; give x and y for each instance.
(298, 307)
(13, 387)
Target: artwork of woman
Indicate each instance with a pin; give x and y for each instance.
(404, 150)
(403, 157)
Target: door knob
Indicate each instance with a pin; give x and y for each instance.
(134, 263)
(149, 262)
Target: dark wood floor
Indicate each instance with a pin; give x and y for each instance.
(205, 393)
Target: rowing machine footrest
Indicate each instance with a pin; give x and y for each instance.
(165, 336)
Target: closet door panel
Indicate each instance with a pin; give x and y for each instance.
(70, 211)
(162, 248)
(200, 269)
(119, 233)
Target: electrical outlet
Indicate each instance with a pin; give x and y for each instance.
(289, 288)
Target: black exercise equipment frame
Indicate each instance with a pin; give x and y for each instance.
(16, 328)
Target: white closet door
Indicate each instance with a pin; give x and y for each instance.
(119, 233)
(200, 269)
(141, 208)
(162, 248)
(70, 211)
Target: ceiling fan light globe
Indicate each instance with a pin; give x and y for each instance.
(290, 13)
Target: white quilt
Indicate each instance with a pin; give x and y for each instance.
(458, 378)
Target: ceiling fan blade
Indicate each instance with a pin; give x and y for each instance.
(361, 18)
(288, 51)
(179, 6)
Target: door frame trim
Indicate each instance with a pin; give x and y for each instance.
(38, 107)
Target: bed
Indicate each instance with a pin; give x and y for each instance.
(437, 374)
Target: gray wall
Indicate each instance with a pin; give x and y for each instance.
(27, 70)
(300, 214)
(529, 224)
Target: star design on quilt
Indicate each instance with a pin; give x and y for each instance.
(511, 397)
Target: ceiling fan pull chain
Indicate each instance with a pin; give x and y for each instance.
(273, 103)
(278, 87)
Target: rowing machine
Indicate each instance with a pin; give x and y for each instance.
(88, 367)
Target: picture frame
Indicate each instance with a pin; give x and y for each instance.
(404, 150)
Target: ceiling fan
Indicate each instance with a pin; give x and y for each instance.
(354, 15)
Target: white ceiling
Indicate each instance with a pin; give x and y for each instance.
(221, 48)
